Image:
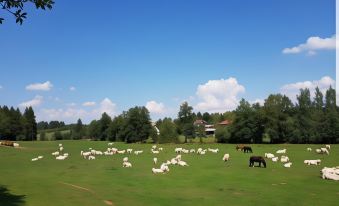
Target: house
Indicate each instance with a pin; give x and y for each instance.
(209, 128)
(225, 123)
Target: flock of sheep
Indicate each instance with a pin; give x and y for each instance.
(327, 173)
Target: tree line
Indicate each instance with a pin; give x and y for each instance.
(278, 120)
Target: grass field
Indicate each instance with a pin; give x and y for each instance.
(207, 181)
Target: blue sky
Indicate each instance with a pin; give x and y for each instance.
(118, 54)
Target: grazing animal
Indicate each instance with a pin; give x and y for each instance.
(226, 157)
(91, 157)
(284, 159)
(155, 151)
(138, 152)
(178, 157)
(182, 163)
(155, 160)
(312, 162)
(35, 159)
(15, 144)
(110, 143)
(269, 155)
(287, 165)
(61, 157)
(125, 159)
(213, 150)
(55, 153)
(192, 150)
(282, 151)
(309, 149)
(40, 157)
(240, 147)
(328, 146)
(258, 159)
(126, 164)
(156, 171)
(275, 159)
(177, 150)
(247, 149)
(121, 152)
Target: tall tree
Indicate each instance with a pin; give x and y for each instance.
(304, 107)
(168, 132)
(30, 124)
(185, 117)
(78, 130)
(138, 125)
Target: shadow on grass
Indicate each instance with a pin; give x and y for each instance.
(8, 199)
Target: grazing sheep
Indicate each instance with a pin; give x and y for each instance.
(213, 150)
(192, 150)
(61, 157)
(182, 163)
(114, 150)
(110, 143)
(121, 151)
(155, 151)
(85, 154)
(91, 157)
(199, 150)
(98, 153)
(155, 160)
(108, 153)
(282, 151)
(154, 147)
(35, 159)
(312, 162)
(156, 171)
(284, 159)
(287, 165)
(177, 150)
(129, 151)
(164, 167)
(203, 152)
(178, 157)
(126, 164)
(309, 149)
(66, 154)
(324, 150)
(275, 159)
(331, 173)
(269, 155)
(226, 157)
(61, 148)
(40, 157)
(161, 149)
(16, 144)
(138, 152)
(185, 151)
(174, 161)
(328, 146)
(60, 145)
(55, 153)
(125, 159)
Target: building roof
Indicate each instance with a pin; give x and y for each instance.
(225, 122)
(199, 121)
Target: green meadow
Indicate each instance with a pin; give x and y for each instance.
(206, 181)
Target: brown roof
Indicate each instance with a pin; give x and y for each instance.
(225, 122)
(199, 121)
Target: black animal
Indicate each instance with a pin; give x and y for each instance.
(258, 159)
(247, 149)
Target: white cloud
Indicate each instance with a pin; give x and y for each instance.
(34, 102)
(72, 89)
(313, 44)
(46, 86)
(292, 90)
(154, 107)
(219, 95)
(88, 104)
(107, 106)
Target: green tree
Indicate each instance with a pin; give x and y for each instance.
(222, 134)
(78, 130)
(16, 7)
(30, 124)
(185, 117)
(138, 125)
(168, 132)
(104, 124)
(42, 136)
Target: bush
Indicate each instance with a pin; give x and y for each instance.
(222, 134)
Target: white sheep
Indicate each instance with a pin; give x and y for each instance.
(203, 152)
(40, 157)
(269, 155)
(91, 157)
(178, 150)
(312, 162)
(284, 159)
(324, 150)
(226, 157)
(108, 153)
(155, 151)
(156, 171)
(129, 151)
(213, 150)
(98, 153)
(114, 150)
(192, 150)
(282, 151)
(199, 150)
(287, 165)
(309, 149)
(85, 154)
(55, 153)
(61, 148)
(110, 143)
(174, 161)
(185, 151)
(35, 159)
(178, 157)
(154, 147)
(155, 160)
(66, 154)
(61, 157)
(275, 159)
(121, 151)
(138, 152)
(126, 164)
(16, 144)
(161, 149)
(125, 159)
(328, 146)
(164, 167)
(182, 163)
(60, 145)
